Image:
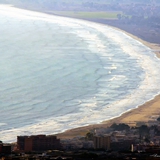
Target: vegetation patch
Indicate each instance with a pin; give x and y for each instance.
(94, 15)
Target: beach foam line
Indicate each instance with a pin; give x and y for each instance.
(94, 116)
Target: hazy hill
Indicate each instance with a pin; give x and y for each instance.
(79, 5)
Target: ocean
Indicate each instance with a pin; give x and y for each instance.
(59, 73)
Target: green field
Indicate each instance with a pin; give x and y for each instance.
(80, 14)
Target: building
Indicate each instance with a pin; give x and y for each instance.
(37, 143)
(154, 149)
(102, 142)
(122, 145)
(5, 148)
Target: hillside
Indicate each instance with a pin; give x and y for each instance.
(82, 5)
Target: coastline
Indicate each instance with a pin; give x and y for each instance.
(149, 111)
(145, 113)
(153, 46)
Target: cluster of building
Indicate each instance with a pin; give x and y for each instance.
(107, 141)
(41, 143)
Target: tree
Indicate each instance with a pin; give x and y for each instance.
(143, 130)
(158, 119)
(119, 16)
(89, 136)
(120, 127)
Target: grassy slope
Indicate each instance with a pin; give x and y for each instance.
(80, 14)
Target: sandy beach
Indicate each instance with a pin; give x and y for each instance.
(147, 113)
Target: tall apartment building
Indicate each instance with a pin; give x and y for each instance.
(5, 148)
(102, 142)
(38, 143)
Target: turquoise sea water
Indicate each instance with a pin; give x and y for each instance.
(59, 73)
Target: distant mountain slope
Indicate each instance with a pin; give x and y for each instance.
(79, 2)
(81, 5)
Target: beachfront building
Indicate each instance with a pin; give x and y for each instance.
(102, 142)
(5, 148)
(38, 143)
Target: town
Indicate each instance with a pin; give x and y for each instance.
(119, 141)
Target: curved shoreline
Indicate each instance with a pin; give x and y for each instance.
(147, 112)
(130, 116)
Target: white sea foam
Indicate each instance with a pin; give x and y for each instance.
(104, 74)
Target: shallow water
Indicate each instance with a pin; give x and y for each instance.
(59, 73)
